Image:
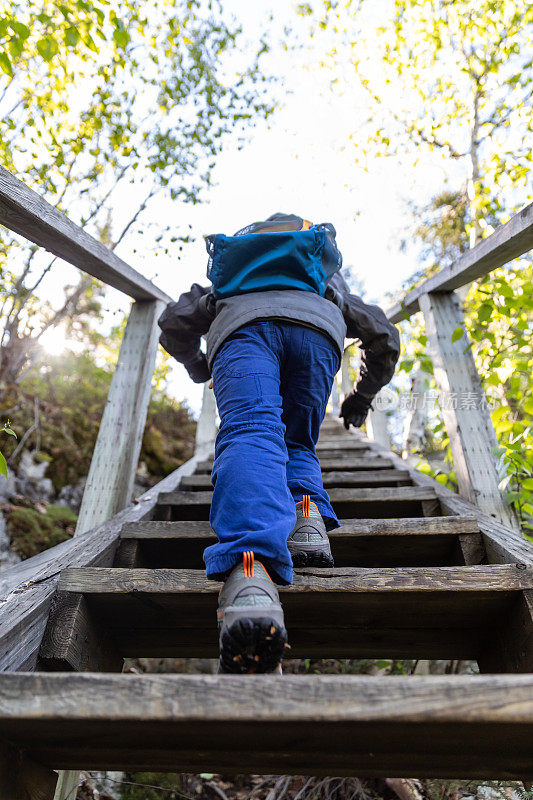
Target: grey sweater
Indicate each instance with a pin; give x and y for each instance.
(339, 314)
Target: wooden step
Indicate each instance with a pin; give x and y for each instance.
(422, 541)
(435, 726)
(375, 477)
(431, 612)
(401, 501)
(340, 443)
(341, 462)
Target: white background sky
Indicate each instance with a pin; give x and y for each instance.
(301, 160)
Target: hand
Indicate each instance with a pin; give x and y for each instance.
(354, 409)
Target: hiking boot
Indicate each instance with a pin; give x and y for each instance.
(308, 543)
(250, 619)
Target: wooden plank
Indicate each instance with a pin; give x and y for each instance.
(471, 549)
(74, 639)
(67, 781)
(408, 542)
(339, 445)
(22, 210)
(464, 407)
(503, 544)
(379, 477)
(431, 612)
(111, 475)
(339, 463)
(21, 778)
(512, 649)
(383, 494)
(445, 726)
(415, 526)
(506, 243)
(164, 582)
(377, 502)
(129, 554)
(27, 589)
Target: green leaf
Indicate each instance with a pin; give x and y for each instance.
(527, 484)
(121, 37)
(47, 48)
(3, 465)
(528, 405)
(72, 36)
(5, 64)
(21, 30)
(457, 334)
(485, 312)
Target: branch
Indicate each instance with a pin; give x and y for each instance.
(28, 433)
(135, 217)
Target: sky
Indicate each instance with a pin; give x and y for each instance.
(301, 160)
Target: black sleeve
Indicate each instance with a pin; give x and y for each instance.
(183, 323)
(379, 339)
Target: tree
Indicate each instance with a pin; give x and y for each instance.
(94, 97)
(449, 77)
(455, 79)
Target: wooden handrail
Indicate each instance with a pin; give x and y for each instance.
(23, 211)
(507, 242)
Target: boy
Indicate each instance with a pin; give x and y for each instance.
(272, 354)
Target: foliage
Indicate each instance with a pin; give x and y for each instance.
(103, 107)
(498, 319)
(71, 392)
(455, 80)
(452, 78)
(32, 530)
(3, 464)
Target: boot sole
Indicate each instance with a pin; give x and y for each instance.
(312, 558)
(252, 646)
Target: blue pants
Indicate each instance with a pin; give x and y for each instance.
(272, 380)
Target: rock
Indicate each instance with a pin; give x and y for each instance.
(30, 480)
(29, 468)
(71, 495)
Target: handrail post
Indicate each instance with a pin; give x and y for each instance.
(464, 406)
(206, 427)
(116, 453)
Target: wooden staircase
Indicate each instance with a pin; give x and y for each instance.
(413, 579)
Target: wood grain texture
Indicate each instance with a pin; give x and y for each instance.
(114, 461)
(349, 527)
(431, 612)
(464, 407)
(379, 495)
(464, 580)
(75, 640)
(27, 589)
(22, 210)
(450, 726)
(503, 544)
(341, 462)
(336, 479)
(408, 542)
(506, 243)
(512, 649)
(21, 778)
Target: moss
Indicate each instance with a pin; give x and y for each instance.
(61, 515)
(31, 532)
